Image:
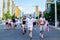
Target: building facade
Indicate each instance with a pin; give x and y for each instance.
(7, 5)
(18, 12)
(1, 8)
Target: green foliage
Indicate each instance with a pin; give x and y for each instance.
(20, 17)
(8, 15)
(37, 17)
(58, 10)
(3, 17)
(51, 14)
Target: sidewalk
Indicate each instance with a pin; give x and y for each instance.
(58, 28)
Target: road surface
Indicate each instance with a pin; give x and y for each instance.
(16, 34)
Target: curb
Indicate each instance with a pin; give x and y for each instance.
(58, 28)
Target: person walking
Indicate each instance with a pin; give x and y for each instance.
(8, 23)
(42, 25)
(30, 21)
(23, 24)
(13, 22)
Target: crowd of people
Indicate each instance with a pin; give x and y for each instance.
(29, 22)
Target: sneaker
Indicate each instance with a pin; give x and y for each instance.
(23, 33)
(42, 36)
(30, 38)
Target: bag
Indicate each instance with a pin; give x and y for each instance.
(13, 20)
(34, 23)
(15, 25)
(9, 24)
(6, 22)
(24, 22)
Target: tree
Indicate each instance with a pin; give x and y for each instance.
(8, 15)
(36, 17)
(51, 14)
(58, 10)
(3, 17)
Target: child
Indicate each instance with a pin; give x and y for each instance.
(46, 26)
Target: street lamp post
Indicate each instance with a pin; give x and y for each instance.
(55, 14)
(49, 1)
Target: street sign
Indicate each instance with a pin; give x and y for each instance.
(50, 1)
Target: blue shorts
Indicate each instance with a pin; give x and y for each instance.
(42, 27)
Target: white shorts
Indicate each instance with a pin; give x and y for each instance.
(42, 28)
(23, 25)
(30, 27)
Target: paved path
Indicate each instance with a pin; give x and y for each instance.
(53, 34)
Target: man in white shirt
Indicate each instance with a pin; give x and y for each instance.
(30, 25)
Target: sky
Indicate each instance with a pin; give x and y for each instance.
(28, 6)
